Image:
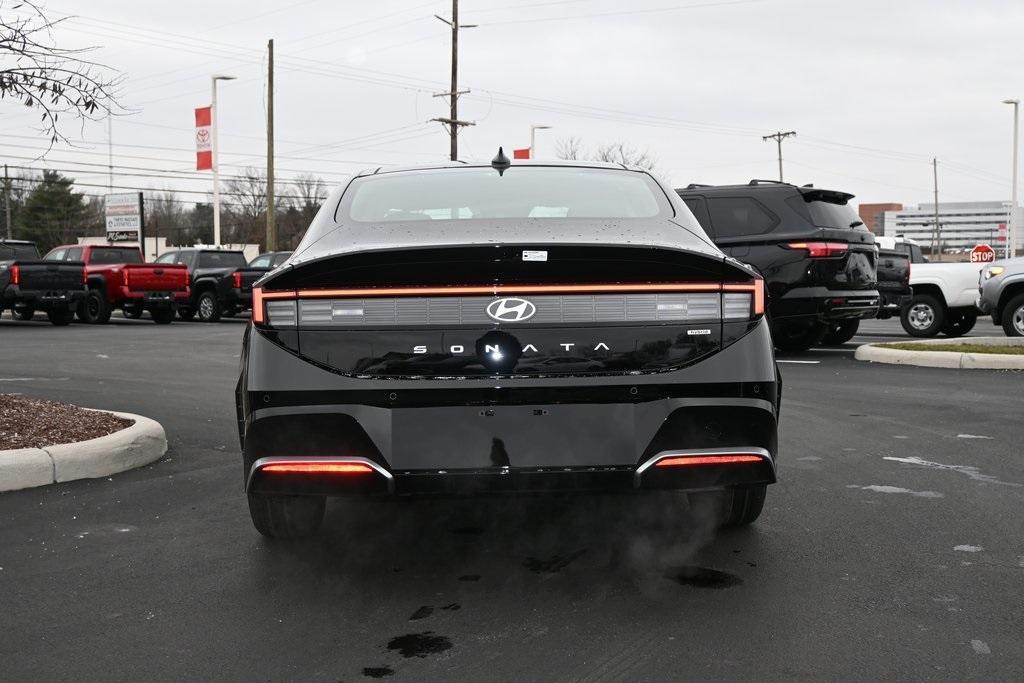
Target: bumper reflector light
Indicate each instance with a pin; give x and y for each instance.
(725, 459)
(316, 468)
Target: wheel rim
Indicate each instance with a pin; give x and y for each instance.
(1018, 320)
(921, 316)
(206, 307)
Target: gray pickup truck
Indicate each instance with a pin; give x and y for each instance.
(1001, 294)
(29, 284)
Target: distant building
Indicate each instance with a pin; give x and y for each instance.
(873, 214)
(961, 224)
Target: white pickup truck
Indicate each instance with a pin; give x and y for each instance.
(944, 293)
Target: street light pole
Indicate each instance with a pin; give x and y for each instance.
(213, 147)
(533, 135)
(1011, 226)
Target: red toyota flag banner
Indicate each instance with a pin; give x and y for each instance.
(521, 153)
(204, 149)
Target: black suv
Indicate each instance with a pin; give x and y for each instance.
(809, 244)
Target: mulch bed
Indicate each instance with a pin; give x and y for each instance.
(34, 423)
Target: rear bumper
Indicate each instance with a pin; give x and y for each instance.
(825, 304)
(465, 437)
(41, 300)
(152, 300)
(234, 297)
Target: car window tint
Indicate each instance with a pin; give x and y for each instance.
(739, 216)
(102, 256)
(261, 261)
(281, 257)
(57, 255)
(221, 259)
(700, 211)
(167, 258)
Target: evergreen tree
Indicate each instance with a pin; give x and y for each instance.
(52, 214)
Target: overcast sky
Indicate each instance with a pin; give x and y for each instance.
(874, 89)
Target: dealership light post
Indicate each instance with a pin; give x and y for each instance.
(1011, 225)
(213, 147)
(533, 136)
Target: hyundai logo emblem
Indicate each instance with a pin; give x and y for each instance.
(511, 310)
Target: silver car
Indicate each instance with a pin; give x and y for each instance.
(1001, 294)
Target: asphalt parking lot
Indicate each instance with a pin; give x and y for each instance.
(892, 547)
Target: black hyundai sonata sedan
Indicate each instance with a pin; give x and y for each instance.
(494, 328)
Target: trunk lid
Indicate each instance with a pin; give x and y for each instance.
(525, 310)
(51, 276)
(147, 277)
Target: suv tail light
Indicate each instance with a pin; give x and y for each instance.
(15, 275)
(124, 277)
(820, 249)
(236, 280)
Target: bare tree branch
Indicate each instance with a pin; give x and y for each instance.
(55, 80)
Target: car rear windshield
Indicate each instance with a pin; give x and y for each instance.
(221, 259)
(115, 255)
(19, 251)
(824, 214)
(546, 192)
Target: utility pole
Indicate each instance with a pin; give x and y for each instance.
(936, 241)
(453, 121)
(7, 203)
(110, 151)
(779, 137)
(1011, 225)
(271, 213)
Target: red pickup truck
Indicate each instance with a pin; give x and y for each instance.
(117, 277)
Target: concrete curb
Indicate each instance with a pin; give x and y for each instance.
(140, 444)
(946, 359)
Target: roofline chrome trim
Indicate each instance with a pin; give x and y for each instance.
(273, 460)
(694, 452)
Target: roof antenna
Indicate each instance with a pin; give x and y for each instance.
(501, 162)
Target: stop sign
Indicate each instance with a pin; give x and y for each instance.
(983, 253)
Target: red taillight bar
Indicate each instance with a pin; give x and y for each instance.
(124, 277)
(314, 467)
(690, 460)
(318, 467)
(236, 280)
(15, 275)
(756, 287)
(820, 249)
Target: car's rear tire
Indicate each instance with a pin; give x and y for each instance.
(840, 332)
(924, 316)
(959, 323)
(162, 316)
(730, 508)
(60, 316)
(208, 307)
(286, 517)
(186, 313)
(93, 309)
(25, 313)
(797, 336)
(1013, 317)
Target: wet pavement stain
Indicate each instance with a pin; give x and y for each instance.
(419, 644)
(552, 565)
(378, 671)
(704, 577)
(469, 577)
(452, 607)
(422, 613)
(468, 530)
